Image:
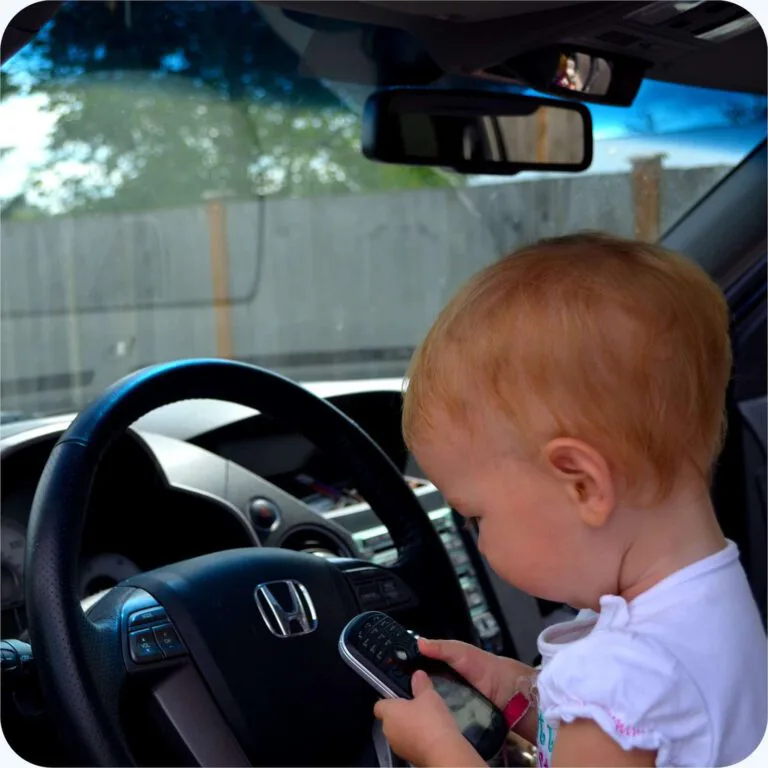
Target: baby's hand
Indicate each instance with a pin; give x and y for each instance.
(422, 730)
(495, 677)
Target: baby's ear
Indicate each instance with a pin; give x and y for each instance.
(586, 477)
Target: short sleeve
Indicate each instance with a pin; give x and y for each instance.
(635, 690)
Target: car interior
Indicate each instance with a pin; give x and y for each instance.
(153, 488)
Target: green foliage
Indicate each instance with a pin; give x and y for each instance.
(164, 104)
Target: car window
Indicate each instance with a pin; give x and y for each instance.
(176, 181)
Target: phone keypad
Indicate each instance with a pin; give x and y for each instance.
(387, 646)
(378, 647)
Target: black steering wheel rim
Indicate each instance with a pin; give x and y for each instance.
(74, 654)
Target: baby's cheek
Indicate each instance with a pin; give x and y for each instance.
(522, 558)
(508, 554)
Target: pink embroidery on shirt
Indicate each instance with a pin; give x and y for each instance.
(624, 729)
(620, 726)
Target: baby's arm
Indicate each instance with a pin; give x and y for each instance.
(584, 743)
(528, 726)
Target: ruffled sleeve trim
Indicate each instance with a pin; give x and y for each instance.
(627, 736)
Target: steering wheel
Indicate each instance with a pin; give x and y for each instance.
(236, 683)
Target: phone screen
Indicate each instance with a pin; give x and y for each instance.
(479, 719)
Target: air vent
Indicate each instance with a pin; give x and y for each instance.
(316, 542)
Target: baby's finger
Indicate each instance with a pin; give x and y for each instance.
(451, 652)
(384, 707)
(420, 682)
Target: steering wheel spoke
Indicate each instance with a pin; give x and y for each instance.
(157, 669)
(193, 724)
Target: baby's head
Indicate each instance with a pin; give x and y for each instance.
(565, 393)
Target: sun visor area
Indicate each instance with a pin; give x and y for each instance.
(352, 51)
(687, 42)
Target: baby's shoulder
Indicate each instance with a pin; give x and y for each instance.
(680, 670)
(634, 688)
(608, 663)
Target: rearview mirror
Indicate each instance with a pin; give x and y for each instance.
(476, 132)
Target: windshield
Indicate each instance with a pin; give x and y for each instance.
(185, 180)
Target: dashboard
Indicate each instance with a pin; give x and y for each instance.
(203, 476)
(136, 521)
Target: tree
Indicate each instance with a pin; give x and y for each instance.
(7, 88)
(161, 103)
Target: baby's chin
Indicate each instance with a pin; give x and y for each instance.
(531, 586)
(545, 590)
(527, 578)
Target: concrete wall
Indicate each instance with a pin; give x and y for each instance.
(327, 287)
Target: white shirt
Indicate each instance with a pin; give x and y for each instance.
(681, 669)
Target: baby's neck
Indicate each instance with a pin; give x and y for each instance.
(678, 533)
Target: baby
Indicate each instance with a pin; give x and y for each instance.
(570, 399)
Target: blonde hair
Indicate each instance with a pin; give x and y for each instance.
(619, 343)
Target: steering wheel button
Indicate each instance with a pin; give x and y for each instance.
(9, 658)
(168, 640)
(143, 647)
(391, 591)
(369, 593)
(148, 616)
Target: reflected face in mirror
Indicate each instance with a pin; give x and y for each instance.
(583, 73)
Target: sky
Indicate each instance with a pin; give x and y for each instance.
(671, 108)
(25, 128)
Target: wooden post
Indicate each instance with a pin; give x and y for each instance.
(217, 229)
(542, 138)
(646, 196)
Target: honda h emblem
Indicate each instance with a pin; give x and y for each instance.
(286, 608)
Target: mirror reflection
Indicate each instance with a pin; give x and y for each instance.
(584, 73)
(547, 135)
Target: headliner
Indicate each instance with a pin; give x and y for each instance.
(467, 36)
